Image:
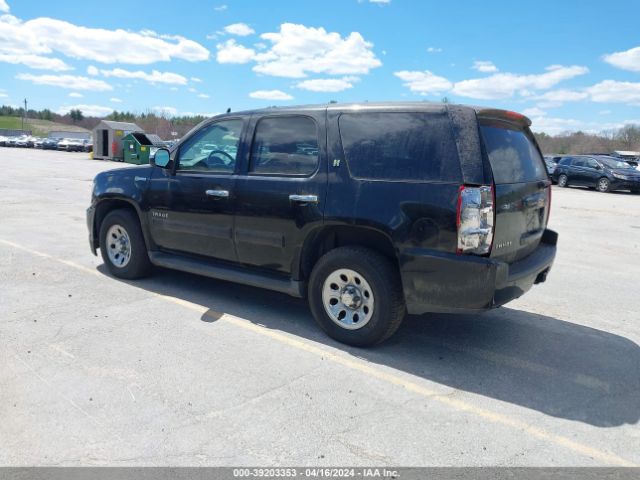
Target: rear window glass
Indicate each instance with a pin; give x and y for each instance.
(400, 146)
(512, 155)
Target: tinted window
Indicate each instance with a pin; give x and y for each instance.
(214, 148)
(565, 161)
(579, 162)
(591, 163)
(513, 156)
(285, 146)
(400, 146)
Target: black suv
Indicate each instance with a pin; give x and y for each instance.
(601, 172)
(369, 210)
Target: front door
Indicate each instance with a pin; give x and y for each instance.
(281, 192)
(191, 209)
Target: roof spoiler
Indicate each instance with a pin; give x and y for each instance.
(504, 115)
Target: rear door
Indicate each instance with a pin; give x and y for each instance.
(281, 193)
(522, 189)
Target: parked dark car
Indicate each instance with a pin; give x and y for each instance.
(369, 210)
(605, 174)
(50, 143)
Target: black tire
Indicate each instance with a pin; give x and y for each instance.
(603, 185)
(636, 191)
(384, 279)
(563, 180)
(138, 265)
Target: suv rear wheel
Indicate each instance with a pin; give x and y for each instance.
(122, 245)
(355, 295)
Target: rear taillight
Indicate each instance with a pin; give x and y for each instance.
(475, 219)
(548, 206)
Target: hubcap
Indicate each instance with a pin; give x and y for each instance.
(563, 181)
(118, 246)
(348, 299)
(603, 185)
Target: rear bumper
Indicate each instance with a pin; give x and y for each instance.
(444, 282)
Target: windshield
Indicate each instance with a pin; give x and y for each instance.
(614, 163)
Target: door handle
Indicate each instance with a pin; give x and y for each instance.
(304, 198)
(217, 193)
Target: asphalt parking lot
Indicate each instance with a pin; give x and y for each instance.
(183, 370)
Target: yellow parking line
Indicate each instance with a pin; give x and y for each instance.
(372, 371)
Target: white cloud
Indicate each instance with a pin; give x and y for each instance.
(220, 8)
(42, 36)
(232, 52)
(604, 112)
(3, 95)
(196, 80)
(4, 8)
(556, 98)
(327, 84)
(297, 50)
(626, 60)
(67, 81)
(533, 112)
(76, 95)
(154, 77)
(615, 92)
(381, 2)
(506, 85)
(434, 50)
(270, 95)
(115, 100)
(554, 125)
(484, 66)
(424, 82)
(166, 111)
(87, 110)
(91, 70)
(35, 61)
(203, 95)
(240, 29)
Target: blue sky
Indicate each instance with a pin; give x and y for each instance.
(569, 65)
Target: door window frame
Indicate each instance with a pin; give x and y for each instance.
(254, 130)
(239, 154)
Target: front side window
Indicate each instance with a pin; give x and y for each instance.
(591, 163)
(212, 149)
(285, 146)
(400, 146)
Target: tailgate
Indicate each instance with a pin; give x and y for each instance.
(522, 188)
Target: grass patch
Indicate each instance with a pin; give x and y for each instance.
(39, 128)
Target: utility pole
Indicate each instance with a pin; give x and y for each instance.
(24, 114)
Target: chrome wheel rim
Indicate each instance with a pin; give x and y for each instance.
(118, 246)
(348, 299)
(562, 181)
(603, 185)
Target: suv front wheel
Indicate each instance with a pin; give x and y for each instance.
(355, 295)
(122, 245)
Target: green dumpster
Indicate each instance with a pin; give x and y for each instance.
(139, 146)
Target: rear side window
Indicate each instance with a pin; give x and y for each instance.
(565, 161)
(285, 146)
(400, 146)
(513, 156)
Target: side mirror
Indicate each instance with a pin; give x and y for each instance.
(161, 158)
